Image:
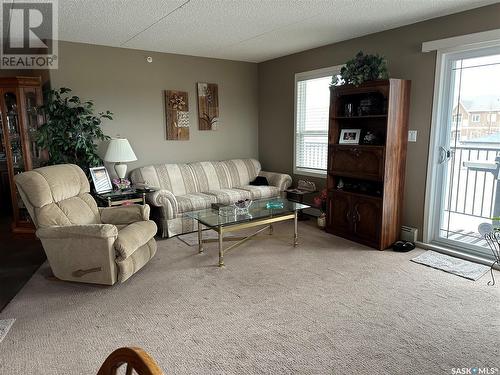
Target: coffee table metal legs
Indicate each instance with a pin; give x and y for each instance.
(268, 225)
(221, 249)
(295, 230)
(200, 238)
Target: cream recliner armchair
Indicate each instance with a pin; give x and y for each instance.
(83, 242)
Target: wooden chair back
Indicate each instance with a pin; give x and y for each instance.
(136, 360)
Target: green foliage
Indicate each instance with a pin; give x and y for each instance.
(361, 69)
(71, 129)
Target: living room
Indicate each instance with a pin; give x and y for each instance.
(234, 253)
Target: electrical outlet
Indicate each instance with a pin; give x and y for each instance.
(412, 135)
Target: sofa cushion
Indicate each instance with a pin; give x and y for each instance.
(241, 171)
(133, 236)
(210, 175)
(229, 196)
(261, 192)
(194, 201)
(176, 178)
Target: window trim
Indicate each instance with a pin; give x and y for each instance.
(302, 76)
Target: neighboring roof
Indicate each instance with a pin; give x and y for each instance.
(491, 138)
(486, 103)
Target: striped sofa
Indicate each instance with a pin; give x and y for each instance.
(181, 188)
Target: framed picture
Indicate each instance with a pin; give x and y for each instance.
(177, 109)
(208, 105)
(102, 182)
(349, 136)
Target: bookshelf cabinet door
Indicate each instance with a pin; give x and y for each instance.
(339, 212)
(366, 217)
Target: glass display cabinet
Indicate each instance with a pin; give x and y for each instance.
(19, 120)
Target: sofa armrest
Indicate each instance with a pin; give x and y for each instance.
(78, 231)
(165, 199)
(281, 180)
(124, 214)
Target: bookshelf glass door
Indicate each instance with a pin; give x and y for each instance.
(33, 121)
(14, 148)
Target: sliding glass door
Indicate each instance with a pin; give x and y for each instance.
(466, 161)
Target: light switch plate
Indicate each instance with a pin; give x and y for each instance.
(412, 135)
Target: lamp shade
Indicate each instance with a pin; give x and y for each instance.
(119, 151)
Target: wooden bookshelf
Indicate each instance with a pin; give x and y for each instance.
(365, 181)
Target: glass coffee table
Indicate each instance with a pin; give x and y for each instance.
(258, 214)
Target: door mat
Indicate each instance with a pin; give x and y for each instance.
(456, 266)
(5, 325)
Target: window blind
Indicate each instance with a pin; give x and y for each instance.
(311, 138)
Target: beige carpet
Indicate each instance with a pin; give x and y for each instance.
(327, 307)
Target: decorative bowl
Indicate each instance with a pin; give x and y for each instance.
(242, 206)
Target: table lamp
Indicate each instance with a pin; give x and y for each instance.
(120, 152)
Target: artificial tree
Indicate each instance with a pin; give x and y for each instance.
(71, 130)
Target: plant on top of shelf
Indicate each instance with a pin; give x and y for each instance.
(70, 130)
(362, 68)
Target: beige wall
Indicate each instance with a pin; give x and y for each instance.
(402, 47)
(122, 81)
(15, 72)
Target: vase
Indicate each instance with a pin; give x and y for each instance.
(322, 220)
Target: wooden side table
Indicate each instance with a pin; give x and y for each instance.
(120, 197)
(297, 195)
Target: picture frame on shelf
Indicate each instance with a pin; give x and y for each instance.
(350, 136)
(102, 182)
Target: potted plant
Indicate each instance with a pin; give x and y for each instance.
(320, 203)
(362, 68)
(71, 130)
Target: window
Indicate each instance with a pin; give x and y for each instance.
(312, 103)
(493, 117)
(457, 119)
(476, 118)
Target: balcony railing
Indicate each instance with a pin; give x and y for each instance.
(473, 186)
(312, 154)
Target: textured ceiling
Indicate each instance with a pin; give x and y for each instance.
(247, 30)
